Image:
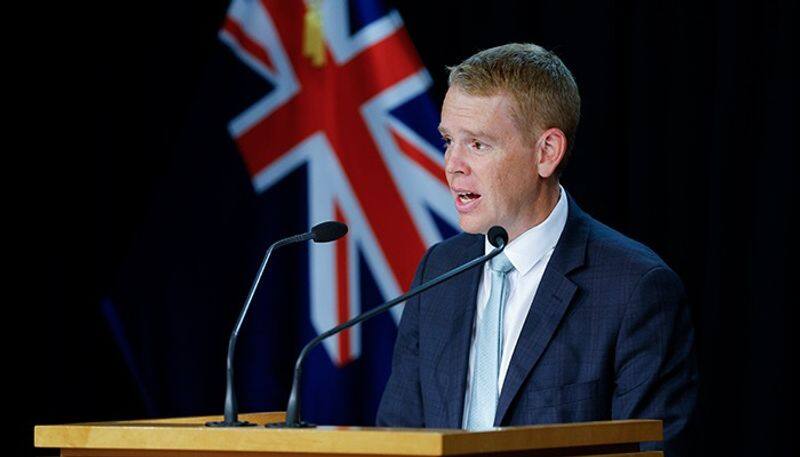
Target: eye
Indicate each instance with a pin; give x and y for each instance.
(446, 141)
(479, 145)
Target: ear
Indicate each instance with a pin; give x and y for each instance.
(550, 149)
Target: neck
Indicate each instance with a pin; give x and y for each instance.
(544, 204)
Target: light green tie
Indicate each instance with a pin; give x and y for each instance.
(488, 349)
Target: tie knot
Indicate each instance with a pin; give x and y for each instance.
(501, 264)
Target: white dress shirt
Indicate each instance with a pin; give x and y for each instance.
(529, 253)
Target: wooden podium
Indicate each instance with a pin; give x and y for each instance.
(186, 437)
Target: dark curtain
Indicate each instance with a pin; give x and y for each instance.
(687, 142)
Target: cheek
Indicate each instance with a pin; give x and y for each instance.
(515, 185)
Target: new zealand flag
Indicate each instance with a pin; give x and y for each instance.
(283, 138)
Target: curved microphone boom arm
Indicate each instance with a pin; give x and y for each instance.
(497, 236)
(320, 233)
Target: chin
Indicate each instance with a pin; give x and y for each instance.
(473, 227)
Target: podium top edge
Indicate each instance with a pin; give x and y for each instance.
(190, 434)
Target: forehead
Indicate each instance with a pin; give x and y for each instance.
(463, 112)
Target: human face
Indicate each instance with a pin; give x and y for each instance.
(491, 168)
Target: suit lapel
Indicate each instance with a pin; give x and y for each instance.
(551, 301)
(458, 303)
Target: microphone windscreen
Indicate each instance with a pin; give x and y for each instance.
(328, 231)
(497, 235)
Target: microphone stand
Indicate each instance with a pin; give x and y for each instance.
(293, 409)
(321, 233)
(231, 405)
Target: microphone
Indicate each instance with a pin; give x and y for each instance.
(320, 233)
(497, 236)
(328, 231)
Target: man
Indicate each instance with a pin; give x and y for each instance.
(573, 322)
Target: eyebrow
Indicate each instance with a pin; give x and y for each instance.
(478, 134)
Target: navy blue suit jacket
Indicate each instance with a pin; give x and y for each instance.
(608, 336)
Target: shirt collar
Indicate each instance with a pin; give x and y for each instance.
(528, 249)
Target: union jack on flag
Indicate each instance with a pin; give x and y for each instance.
(363, 126)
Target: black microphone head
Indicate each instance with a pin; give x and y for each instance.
(497, 236)
(328, 231)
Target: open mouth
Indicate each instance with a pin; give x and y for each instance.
(466, 197)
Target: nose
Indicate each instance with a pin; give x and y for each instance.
(455, 160)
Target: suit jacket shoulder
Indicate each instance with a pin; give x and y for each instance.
(612, 254)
